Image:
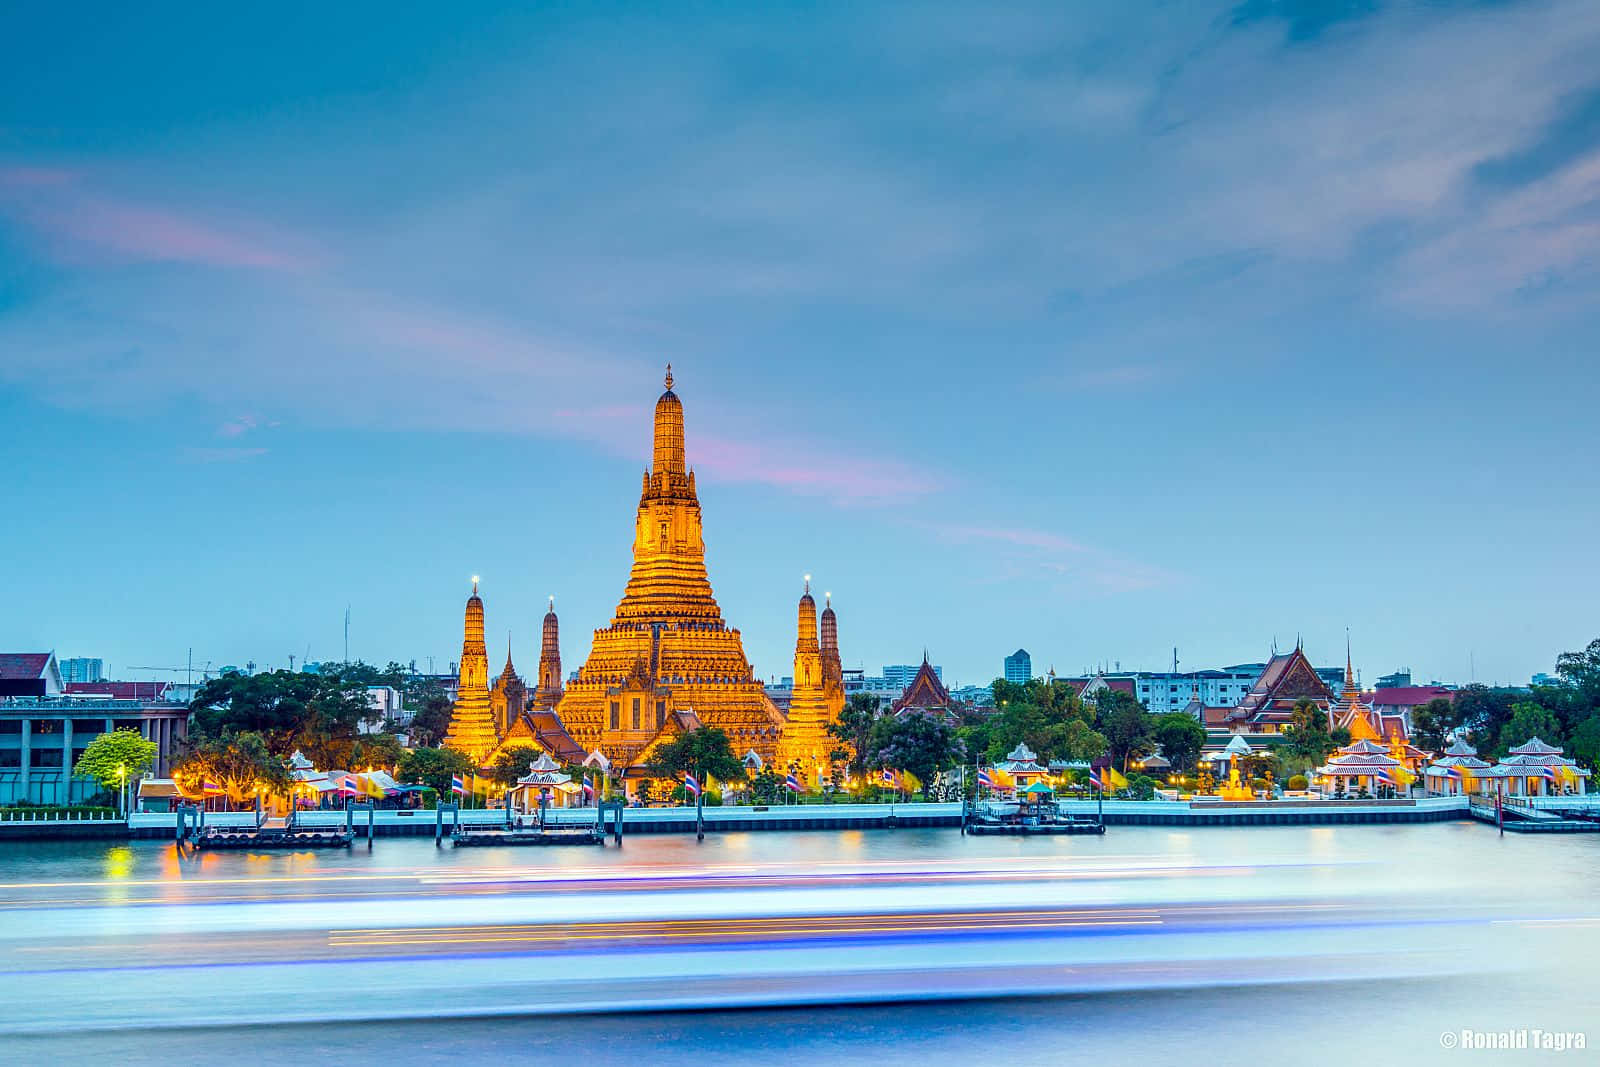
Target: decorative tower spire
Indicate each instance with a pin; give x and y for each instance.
(549, 691)
(668, 452)
(806, 629)
(471, 721)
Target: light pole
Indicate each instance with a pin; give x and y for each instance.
(122, 789)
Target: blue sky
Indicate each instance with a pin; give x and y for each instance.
(1097, 331)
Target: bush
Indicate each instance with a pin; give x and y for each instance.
(1296, 782)
(1142, 787)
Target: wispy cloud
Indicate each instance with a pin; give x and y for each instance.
(80, 225)
(1054, 557)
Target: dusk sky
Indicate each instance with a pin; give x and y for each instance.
(1093, 329)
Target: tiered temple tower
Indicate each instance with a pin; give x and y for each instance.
(509, 697)
(471, 722)
(548, 693)
(818, 683)
(667, 661)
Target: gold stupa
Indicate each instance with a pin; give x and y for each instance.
(668, 662)
(472, 728)
(818, 696)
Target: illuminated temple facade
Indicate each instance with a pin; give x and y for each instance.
(472, 727)
(818, 698)
(667, 662)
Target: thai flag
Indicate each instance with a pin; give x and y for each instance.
(690, 786)
(1094, 779)
(888, 777)
(588, 790)
(458, 786)
(347, 787)
(792, 784)
(1387, 778)
(210, 788)
(1552, 773)
(984, 779)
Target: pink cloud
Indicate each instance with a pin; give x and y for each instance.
(803, 468)
(80, 225)
(1057, 556)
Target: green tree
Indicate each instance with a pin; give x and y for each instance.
(853, 731)
(1528, 720)
(704, 751)
(1581, 671)
(1048, 717)
(377, 750)
(512, 763)
(318, 713)
(432, 719)
(918, 742)
(239, 762)
(116, 757)
(435, 767)
(1125, 723)
(1483, 713)
(1307, 740)
(1584, 743)
(767, 787)
(1432, 724)
(1181, 737)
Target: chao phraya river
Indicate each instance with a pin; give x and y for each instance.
(1297, 945)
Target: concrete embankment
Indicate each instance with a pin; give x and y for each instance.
(817, 817)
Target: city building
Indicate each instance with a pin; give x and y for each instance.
(1018, 667)
(82, 669)
(44, 728)
(902, 674)
(1400, 679)
(876, 687)
(974, 696)
(386, 702)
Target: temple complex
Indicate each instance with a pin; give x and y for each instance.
(667, 661)
(472, 727)
(818, 695)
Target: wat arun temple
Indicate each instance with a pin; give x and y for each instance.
(666, 664)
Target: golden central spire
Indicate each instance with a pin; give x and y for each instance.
(667, 660)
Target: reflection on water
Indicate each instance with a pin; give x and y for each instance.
(1191, 938)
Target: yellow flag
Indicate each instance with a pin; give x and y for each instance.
(1116, 778)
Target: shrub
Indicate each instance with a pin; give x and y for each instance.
(1297, 782)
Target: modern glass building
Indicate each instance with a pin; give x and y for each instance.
(1019, 666)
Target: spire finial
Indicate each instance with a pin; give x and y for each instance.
(827, 600)
(474, 585)
(552, 602)
(808, 585)
(1349, 669)
(669, 377)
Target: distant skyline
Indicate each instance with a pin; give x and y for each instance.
(1177, 325)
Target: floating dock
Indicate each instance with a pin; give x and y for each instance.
(477, 837)
(214, 838)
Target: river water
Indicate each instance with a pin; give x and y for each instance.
(1284, 944)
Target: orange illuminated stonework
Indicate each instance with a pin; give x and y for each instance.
(471, 720)
(667, 661)
(806, 745)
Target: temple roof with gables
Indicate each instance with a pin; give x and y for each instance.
(925, 692)
(1285, 680)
